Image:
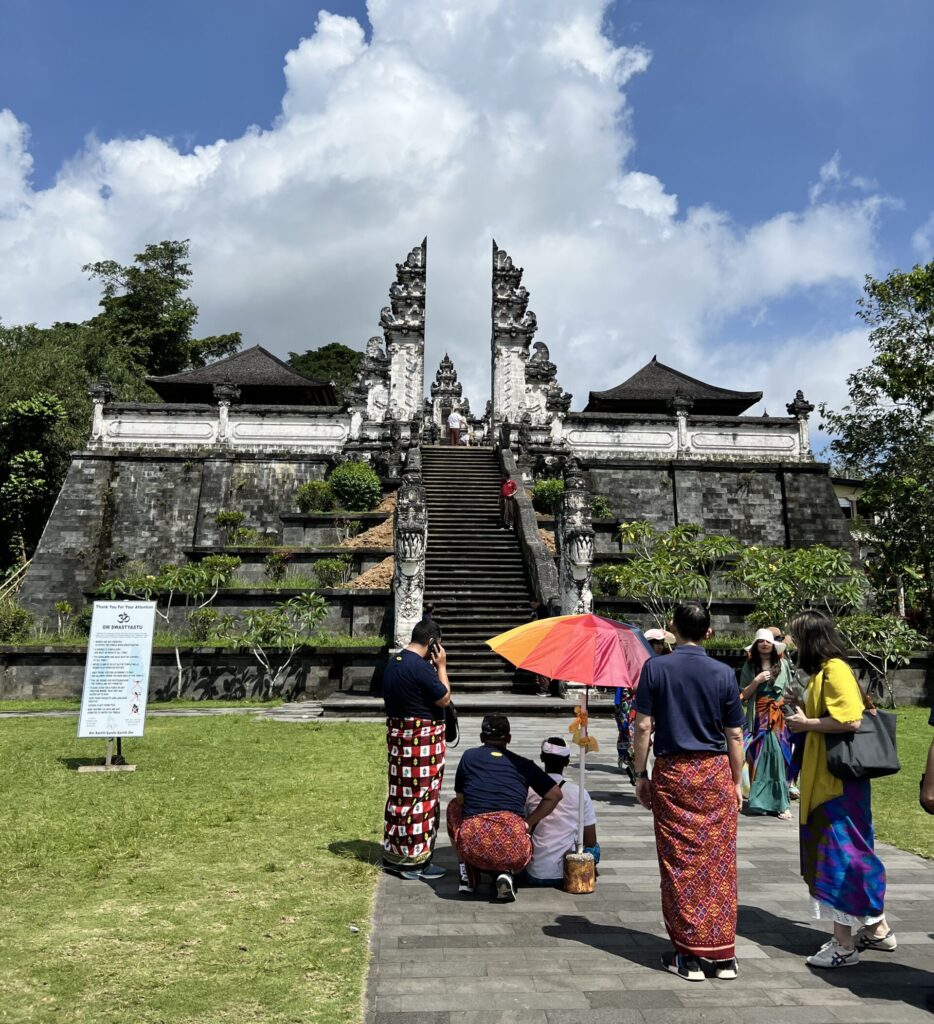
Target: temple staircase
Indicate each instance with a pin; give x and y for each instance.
(474, 575)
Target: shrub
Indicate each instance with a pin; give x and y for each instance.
(15, 623)
(605, 581)
(546, 496)
(315, 496)
(331, 572)
(276, 565)
(600, 507)
(244, 536)
(202, 623)
(355, 487)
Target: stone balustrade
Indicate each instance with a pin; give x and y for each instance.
(247, 428)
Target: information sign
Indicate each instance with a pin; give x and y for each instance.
(116, 675)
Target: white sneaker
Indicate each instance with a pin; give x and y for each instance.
(505, 888)
(886, 944)
(832, 954)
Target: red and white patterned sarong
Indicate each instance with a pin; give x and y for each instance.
(416, 769)
(694, 804)
(497, 841)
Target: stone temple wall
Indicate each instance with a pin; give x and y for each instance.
(783, 505)
(115, 507)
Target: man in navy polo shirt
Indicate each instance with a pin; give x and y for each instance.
(695, 794)
(486, 819)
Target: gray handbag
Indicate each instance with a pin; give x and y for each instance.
(868, 753)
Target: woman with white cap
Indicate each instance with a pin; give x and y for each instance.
(762, 683)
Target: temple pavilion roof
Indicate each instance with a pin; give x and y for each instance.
(263, 379)
(655, 385)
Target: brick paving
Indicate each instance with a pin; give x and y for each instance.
(553, 958)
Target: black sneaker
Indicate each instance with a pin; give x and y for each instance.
(687, 967)
(505, 887)
(464, 883)
(726, 970)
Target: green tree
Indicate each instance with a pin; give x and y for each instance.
(885, 643)
(145, 327)
(666, 566)
(30, 460)
(334, 362)
(146, 311)
(884, 433)
(783, 581)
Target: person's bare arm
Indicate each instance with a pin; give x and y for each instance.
(549, 802)
(734, 749)
(590, 835)
(640, 757)
(927, 790)
(439, 659)
(799, 722)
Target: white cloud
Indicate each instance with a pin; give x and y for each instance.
(462, 120)
(922, 240)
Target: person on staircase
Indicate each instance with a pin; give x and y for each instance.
(507, 500)
(455, 425)
(416, 691)
(487, 819)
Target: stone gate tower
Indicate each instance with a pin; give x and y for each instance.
(403, 323)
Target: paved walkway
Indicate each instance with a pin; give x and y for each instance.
(553, 958)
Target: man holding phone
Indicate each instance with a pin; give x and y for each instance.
(416, 691)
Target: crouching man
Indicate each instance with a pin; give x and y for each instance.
(486, 819)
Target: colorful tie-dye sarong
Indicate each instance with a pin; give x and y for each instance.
(694, 804)
(416, 770)
(497, 841)
(625, 715)
(838, 859)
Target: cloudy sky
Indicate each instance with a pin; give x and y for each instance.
(708, 182)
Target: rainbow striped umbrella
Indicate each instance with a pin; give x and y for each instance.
(584, 649)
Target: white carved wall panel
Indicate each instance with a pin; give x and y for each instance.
(164, 430)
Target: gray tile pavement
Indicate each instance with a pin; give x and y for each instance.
(553, 958)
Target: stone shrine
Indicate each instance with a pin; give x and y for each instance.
(246, 431)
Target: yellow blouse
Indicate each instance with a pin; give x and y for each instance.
(832, 691)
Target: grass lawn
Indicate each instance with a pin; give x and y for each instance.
(217, 883)
(74, 704)
(896, 813)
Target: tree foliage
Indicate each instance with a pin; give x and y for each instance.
(884, 433)
(146, 311)
(334, 362)
(885, 643)
(145, 327)
(783, 581)
(666, 567)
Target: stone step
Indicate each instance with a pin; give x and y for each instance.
(473, 701)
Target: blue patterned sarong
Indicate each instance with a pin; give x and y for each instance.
(838, 859)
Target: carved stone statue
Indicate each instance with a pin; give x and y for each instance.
(574, 536)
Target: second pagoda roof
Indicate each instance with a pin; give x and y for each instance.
(655, 385)
(263, 379)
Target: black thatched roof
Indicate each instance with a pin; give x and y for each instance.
(263, 379)
(651, 388)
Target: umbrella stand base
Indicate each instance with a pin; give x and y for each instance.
(580, 873)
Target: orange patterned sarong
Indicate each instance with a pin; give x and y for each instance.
(694, 804)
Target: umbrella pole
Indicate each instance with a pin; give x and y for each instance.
(583, 764)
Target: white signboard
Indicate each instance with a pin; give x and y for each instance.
(116, 675)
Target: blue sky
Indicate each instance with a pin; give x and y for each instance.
(724, 249)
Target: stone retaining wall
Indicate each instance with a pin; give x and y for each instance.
(32, 672)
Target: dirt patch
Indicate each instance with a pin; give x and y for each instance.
(548, 539)
(377, 578)
(379, 536)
